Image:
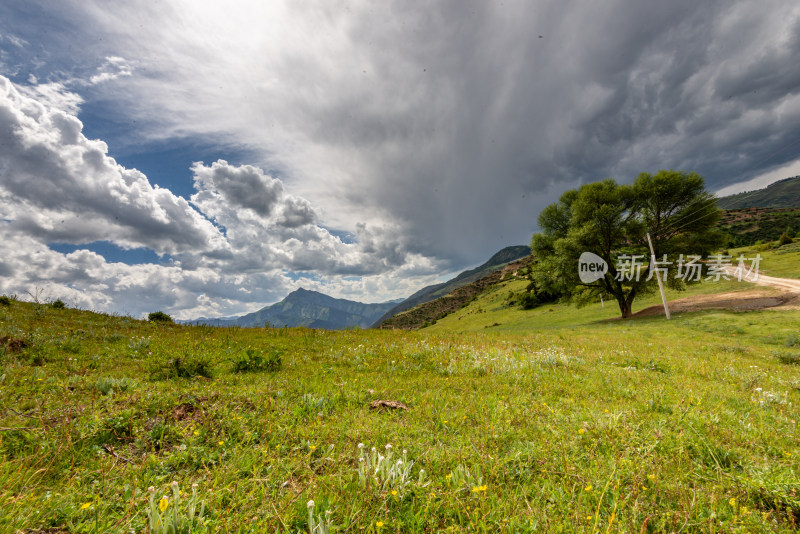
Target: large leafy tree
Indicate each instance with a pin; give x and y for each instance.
(612, 220)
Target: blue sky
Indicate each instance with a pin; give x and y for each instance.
(207, 159)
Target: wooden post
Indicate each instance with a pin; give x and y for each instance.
(658, 277)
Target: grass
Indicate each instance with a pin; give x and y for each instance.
(491, 312)
(621, 426)
(782, 261)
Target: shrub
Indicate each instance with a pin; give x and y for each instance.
(188, 367)
(254, 360)
(5, 301)
(785, 240)
(789, 358)
(58, 304)
(107, 386)
(159, 317)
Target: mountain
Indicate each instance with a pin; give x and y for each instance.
(311, 309)
(429, 293)
(781, 194)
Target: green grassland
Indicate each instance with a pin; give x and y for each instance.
(783, 262)
(563, 423)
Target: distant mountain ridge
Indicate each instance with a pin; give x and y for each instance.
(781, 194)
(310, 309)
(429, 293)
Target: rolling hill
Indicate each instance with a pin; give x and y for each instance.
(781, 194)
(429, 293)
(429, 312)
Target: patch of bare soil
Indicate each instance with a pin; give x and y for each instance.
(758, 299)
(13, 344)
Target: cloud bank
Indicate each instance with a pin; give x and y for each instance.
(229, 246)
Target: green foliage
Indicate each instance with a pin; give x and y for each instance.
(785, 240)
(189, 363)
(790, 358)
(382, 470)
(17, 443)
(175, 515)
(252, 359)
(751, 226)
(533, 296)
(117, 427)
(110, 385)
(611, 221)
(159, 317)
(58, 304)
(5, 300)
(189, 367)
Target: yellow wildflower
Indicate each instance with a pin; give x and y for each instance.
(588, 488)
(394, 492)
(85, 505)
(162, 505)
(379, 524)
(581, 431)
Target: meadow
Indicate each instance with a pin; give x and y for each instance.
(110, 424)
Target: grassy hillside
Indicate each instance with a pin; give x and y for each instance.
(429, 293)
(613, 426)
(781, 194)
(748, 226)
(780, 261)
(430, 312)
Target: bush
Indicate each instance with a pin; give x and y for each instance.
(785, 240)
(5, 301)
(254, 360)
(159, 317)
(185, 367)
(107, 386)
(789, 358)
(58, 304)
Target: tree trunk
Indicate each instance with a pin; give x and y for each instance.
(625, 308)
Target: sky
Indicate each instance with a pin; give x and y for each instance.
(206, 158)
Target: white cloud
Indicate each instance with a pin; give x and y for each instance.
(113, 68)
(64, 187)
(58, 186)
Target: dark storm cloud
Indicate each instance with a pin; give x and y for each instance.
(488, 111)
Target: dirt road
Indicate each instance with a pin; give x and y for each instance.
(783, 293)
(787, 284)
